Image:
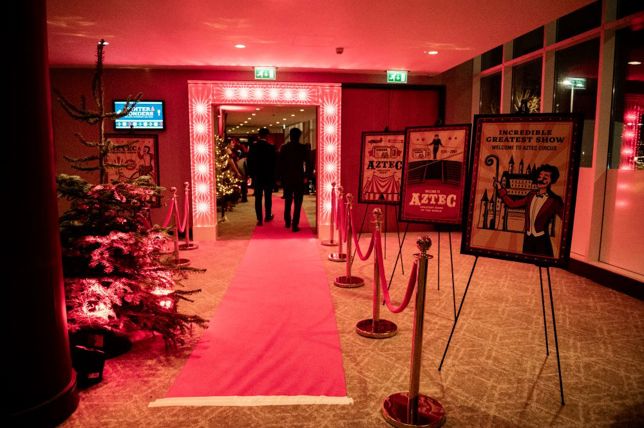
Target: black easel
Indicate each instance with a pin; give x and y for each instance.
(451, 260)
(554, 323)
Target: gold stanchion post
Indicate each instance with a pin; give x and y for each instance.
(340, 256)
(331, 242)
(175, 232)
(412, 409)
(375, 327)
(348, 280)
(187, 245)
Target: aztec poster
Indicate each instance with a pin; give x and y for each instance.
(434, 173)
(381, 167)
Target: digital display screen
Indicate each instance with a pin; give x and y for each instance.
(146, 115)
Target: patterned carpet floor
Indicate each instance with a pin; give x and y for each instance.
(496, 373)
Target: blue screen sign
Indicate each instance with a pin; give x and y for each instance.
(145, 115)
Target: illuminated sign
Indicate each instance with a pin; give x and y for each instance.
(575, 82)
(265, 73)
(396, 76)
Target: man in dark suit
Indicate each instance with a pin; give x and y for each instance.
(294, 166)
(261, 168)
(541, 206)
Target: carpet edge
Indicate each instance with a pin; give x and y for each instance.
(257, 400)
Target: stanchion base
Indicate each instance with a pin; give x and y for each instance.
(181, 262)
(329, 243)
(381, 329)
(348, 281)
(430, 411)
(188, 246)
(338, 257)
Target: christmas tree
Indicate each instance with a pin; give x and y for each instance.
(116, 279)
(228, 178)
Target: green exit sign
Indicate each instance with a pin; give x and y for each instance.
(396, 76)
(265, 73)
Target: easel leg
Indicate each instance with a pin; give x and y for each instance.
(359, 234)
(397, 257)
(451, 262)
(458, 314)
(543, 310)
(402, 266)
(554, 328)
(438, 266)
(385, 234)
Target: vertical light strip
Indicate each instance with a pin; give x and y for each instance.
(203, 94)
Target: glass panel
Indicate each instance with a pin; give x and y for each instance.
(575, 89)
(581, 20)
(527, 43)
(629, 7)
(492, 57)
(490, 94)
(627, 143)
(526, 87)
(622, 233)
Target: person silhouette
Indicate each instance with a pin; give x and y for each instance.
(541, 207)
(261, 168)
(436, 143)
(294, 168)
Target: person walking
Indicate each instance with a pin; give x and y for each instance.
(294, 165)
(261, 168)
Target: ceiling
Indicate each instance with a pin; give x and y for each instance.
(272, 117)
(375, 35)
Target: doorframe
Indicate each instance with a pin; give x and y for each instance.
(202, 95)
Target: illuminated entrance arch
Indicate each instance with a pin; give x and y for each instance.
(203, 94)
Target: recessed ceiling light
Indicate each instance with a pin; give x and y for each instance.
(250, 118)
(240, 46)
(283, 118)
(301, 109)
(432, 52)
(254, 114)
(634, 62)
(257, 108)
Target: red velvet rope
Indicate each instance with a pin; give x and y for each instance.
(184, 223)
(168, 216)
(383, 279)
(355, 241)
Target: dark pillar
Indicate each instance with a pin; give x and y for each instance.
(38, 382)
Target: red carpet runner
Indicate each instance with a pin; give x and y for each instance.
(273, 338)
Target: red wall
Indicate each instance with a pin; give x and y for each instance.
(363, 109)
(374, 109)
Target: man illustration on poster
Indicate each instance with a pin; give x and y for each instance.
(437, 143)
(146, 166)
(541, 206)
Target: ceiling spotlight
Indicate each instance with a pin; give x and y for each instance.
(432, 52)
(257, 108)
(254, 114)
(292, 115)
(301, 109)
(240, 46)
(634, 62)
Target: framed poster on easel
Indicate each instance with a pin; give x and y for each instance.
(434, 166)
(522, 187)
(381, 157)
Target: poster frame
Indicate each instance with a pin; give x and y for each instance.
(570, 185)
(467, 127)
(363, 147)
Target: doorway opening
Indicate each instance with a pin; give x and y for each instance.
(326, 98)
(239, 125)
